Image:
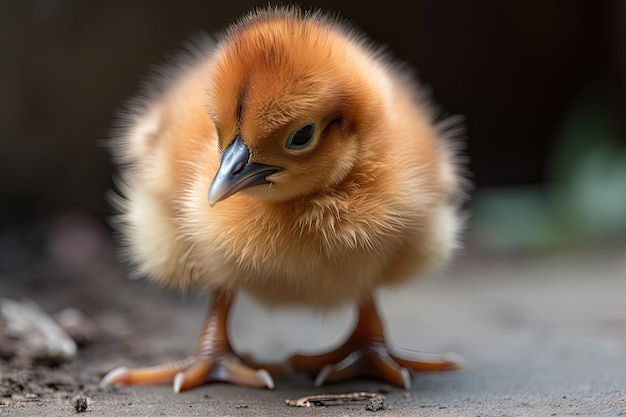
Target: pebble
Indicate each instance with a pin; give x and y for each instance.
(375, 404)
(37, 334)
(80, 403)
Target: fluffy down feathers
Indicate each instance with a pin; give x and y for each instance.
(370, 202)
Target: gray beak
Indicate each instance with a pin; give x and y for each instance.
(236, 172)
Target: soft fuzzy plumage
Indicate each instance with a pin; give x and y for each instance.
(216, 197)
(372, 202)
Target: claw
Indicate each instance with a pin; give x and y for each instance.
(195, 375)
(118, 375)
(348, 368)
(406, 378)
(233, 371)
(323, 374)
(179, 380)
(266, 378)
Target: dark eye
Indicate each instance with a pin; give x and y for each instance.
(302, 137)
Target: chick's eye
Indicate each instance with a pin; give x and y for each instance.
(302, 137)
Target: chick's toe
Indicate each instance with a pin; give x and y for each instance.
(214, 360)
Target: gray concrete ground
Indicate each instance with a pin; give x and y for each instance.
(542, 336)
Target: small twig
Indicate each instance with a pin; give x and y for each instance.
(333, 399)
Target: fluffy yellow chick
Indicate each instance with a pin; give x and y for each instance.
(293, 161)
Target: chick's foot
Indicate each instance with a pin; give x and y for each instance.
(214, 360)
(365, 353)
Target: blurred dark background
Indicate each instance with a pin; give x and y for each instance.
(542, 85)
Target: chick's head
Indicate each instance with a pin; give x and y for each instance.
(288, 107)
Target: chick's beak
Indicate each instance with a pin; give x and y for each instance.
(236, 172)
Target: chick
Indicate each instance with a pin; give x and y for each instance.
(294, 161)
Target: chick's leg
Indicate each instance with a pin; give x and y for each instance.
(214, 360)
(365, 353)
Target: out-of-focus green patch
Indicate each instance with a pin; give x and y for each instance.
(583, 204)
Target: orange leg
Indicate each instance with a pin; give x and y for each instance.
(214, 360)
(365, 353)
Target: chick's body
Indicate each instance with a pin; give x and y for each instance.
(381, 218)
(370, 201)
